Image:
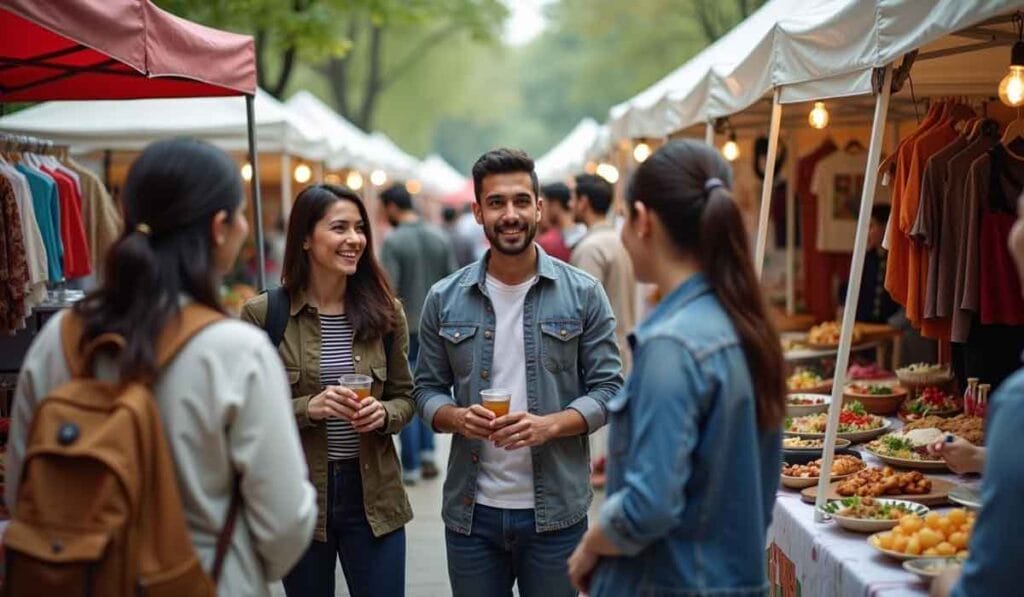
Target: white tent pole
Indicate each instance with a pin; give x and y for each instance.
(791, 228)
(769, 182)
(709, 133)
(286, 185)
(860, 246)
(257, 200)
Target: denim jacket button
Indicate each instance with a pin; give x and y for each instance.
(484, 374)
(563, 333)
(488, 334)
(458, 334)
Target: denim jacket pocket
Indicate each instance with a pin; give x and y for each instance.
(460, 350)
(560, 343)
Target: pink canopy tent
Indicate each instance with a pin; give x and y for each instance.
(461, 197)
(123, 49)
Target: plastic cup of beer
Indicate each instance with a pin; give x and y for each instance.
(360, 384)
(496, 400)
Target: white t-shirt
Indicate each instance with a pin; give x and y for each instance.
(506, 476)
(838, 182)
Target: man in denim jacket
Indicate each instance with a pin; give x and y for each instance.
(517, 491)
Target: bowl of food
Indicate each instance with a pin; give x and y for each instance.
(798, 405)
(933, 535)
(808, 381)
(929, 568)
(801, 444)
(826, 335)
(920, 374)
(799, 476)
(855, 424)
(931, 401)
(870, 515)
(909, 449)
(878, 398)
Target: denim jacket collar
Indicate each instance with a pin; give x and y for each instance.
(476, 274)
(692, 288)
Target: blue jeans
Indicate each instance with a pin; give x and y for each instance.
(417, 437)
(373, 566)
(505, 548)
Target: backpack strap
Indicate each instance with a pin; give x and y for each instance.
(224, 538)
(279, 306)
(191, 320)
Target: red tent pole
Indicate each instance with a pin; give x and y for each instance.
(257, 201)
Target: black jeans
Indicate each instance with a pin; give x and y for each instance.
(373, 566)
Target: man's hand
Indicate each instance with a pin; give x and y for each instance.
(961, 456)
(581, 567)
(474, 422)
(522, 429)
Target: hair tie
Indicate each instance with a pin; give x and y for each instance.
(143, 229)
(712, 184)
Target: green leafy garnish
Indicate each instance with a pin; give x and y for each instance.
(856, 408)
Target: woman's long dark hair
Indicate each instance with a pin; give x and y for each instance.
(173, 191)
(686, 183)
(369, 301)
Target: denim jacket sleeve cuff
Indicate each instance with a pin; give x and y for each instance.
(434, 404)
(593, 412)
(611, 519)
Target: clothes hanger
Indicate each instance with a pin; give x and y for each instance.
(1013, 130)
(854, 146)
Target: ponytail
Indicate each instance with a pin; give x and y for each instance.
(686, 183)
(172, 192)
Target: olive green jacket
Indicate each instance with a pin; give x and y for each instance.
(386, 503)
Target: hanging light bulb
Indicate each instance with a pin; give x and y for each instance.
(302, 174)
(332, 179)
(1011, 88)
(590, 167)
(354, 180)
(731, 150)
(608, 172)
(818, 118)
(378, 177)
(247, 172)
(641, 152)
(413, 186)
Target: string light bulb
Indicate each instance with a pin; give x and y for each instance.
(819, 117)
(247, 172)
(641, 152)
(1011, 88)
(354, 180)
(731, 149)
(332, 179)
(413, 186)
(302, 174)
(378, 177)
(608, 172)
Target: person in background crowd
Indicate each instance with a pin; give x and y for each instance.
(875, 304)
(469, 242)
(517, 492)
(344, 319)
(996, 550)
(700, 417)
(601, 254)
(563, 232)
(220, 397)
(415, 255)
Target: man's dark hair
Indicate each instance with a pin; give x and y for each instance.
(398, 196)
(557, 192)
(597, 190)
(503, 161)
(880, 213)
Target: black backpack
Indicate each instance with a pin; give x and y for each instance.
(279, 304)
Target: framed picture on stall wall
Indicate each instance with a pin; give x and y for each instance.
(838, 183)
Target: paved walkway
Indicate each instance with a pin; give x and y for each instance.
(426, 564)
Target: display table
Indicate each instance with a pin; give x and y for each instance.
(822, 559)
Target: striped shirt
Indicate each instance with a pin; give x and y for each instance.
(336, 360)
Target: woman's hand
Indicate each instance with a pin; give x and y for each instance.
(331, 403)
(582, 563)
(370, 416)
(962, 456)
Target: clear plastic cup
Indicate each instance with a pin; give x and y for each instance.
(360, 384)
(496, 400)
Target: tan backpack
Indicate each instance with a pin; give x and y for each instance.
(98, 510)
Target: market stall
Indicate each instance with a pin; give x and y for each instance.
(569, 156)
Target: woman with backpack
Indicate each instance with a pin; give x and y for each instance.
(201, 391)
(338, 316)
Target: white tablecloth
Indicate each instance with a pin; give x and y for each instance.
(828, 561)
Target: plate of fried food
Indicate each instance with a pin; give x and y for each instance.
(826, 335)
(888, 483)
(931, 535)
(798, 476)
(870, 515)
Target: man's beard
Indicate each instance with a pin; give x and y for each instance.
(529, 230)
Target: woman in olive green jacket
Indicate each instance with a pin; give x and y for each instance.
(344, 319)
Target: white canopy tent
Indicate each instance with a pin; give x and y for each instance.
(830, 49)
(438, 177)
(392, 159)
(570, 154)
(130, 125)
(349, 146)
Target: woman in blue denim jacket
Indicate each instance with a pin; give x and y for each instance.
(694, 446)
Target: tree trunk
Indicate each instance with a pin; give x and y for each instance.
(336, 72)
(260, 43)
(287, 63)
(373, 79)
